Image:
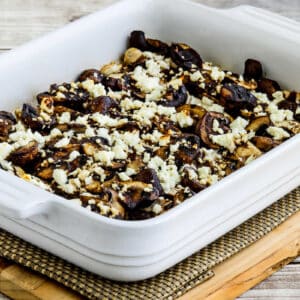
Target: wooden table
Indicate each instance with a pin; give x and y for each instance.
(22, 20)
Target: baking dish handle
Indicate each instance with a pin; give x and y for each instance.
(250, 13)
(19, 199)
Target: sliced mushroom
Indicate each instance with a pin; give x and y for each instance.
(205, 127)
(288, 104)
(114, 200)
(264, 143)
(192, 183)
(132, 56)
(258, 122)
(94, 187)
(111, 68)
(46, 103)
(7, 120)
(149, 176)
(92, 74)
(253, 69)
(138, 40)
(135, 193)
(174, 98)
(162, 152)
(268, 86)
(115, 84)
(89, 148)
(235, 78)
(31, 118)
(102, 104)
(25, 155)
(245, 152)
(184, 56)
(234, 98)
(188, 149)
(46, 173)
(196, 111)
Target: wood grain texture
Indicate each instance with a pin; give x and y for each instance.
(23, 20)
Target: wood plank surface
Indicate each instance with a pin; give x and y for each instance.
(23, 20)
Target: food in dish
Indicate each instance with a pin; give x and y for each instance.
(139, 136)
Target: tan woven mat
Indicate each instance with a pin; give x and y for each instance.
(169, 284)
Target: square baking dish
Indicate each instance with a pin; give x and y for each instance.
(135, 250)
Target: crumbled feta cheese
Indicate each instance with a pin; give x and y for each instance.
(104, 156)
(182, 119)
(278, 97)
(217, 74)
(261, 97)
(167, 174)
(196, 76)
(55, 132)
(238, 125)
(206, 103)
(278, 133)
(62, 143)
(73, 155)
(204, 172)
(225, 140)
(5, 150)
(144, 82)
(157, 209)
(65, 117)
(123, 176)
(60, 176)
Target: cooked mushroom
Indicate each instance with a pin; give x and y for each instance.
(94, 187)
(234, 98)
(192, 183)
(258, 123)
(102, 104)
(288, 104)
(184, 56)
(31, 118)
(114, 200)
(188, 148)
(92, 74)
(115, 84)
(137, 193)
(196, 111)
(149, 176)
(253, 69)
(205, 127)
(175, 97)
(268, 86)
(7, 120)
(138, 40)
(246, 152)
(264, 143)
(132, 55)
(25, 155)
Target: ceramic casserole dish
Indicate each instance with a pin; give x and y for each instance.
(135, 250)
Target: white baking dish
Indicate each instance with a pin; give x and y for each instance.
(134, 250)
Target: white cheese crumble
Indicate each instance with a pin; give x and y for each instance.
(238, 125)
(60, 176)
(65, 117)
(196, 76)
(217, 74)
(182, 119)
(225, 140)
(278, 133)
(206, 103)
(105, 157)
(5, 150)
(62, 143)
(167, 174)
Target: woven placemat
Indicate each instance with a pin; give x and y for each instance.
(169, 284)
